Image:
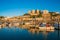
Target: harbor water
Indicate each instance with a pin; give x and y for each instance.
(23, 34)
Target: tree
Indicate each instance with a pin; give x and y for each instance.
(2, 17)
(26, 14)
(40, 14)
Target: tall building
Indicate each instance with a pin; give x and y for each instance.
(34, 12)
(46, 16)
(29, 11)
(45, 12)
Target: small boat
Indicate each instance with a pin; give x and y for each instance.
(46, 28)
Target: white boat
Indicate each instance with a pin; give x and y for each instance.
(46, 28)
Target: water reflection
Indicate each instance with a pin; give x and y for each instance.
(58, 31)
(28, 34)
(45, 35)
(37, 31)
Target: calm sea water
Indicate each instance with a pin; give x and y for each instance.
(23, 34)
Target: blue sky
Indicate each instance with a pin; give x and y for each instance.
(19, 7)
